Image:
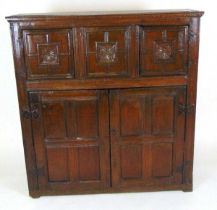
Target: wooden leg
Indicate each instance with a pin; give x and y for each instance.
(188, 188)
(34, 194)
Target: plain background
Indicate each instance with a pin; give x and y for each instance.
(13, 184)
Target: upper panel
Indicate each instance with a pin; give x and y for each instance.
(104, 52)
(48, 54)
(163, 50)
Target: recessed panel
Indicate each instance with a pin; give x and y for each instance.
(162, 158)
(57, 164)
(131, 110)
(89, 163)
(131, 161)
(87, 118)
(54, 120)
(163, 115)
(71, 122)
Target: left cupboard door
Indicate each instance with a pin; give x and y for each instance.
(71, 139)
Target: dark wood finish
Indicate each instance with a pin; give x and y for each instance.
(106, 83)
(163, 50)
(48, 54)
(147, 136)
(107, 52)
(71, 139)
(107, 99)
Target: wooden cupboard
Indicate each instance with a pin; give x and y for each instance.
(107, 100)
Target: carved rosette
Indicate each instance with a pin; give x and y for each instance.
(106, 52)
(48, 54)
(163, 51)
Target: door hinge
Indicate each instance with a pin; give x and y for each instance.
(30, 114)
(182, 108)
(39, 172)
(179, 169)
(33, 114)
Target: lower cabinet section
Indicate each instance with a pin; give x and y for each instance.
(102, 140)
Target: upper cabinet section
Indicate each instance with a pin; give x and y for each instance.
(104, 45)
(163, 50)
(48, 54)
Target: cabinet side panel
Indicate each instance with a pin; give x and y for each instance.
(24, 106)
(191, 100)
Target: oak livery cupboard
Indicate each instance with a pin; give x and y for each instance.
(107, 99)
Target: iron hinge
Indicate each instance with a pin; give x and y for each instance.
(182, 108)
(30, 114)
(39, 172)
(179, 169)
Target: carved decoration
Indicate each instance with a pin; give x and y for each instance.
(106, 52)
(163, 51)
(48, 54)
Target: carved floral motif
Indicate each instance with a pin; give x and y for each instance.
(106, 52)
(48, 54)
(163, 51)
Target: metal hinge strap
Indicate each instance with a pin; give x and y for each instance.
(33, 114)
(185, 108)
(39, 172)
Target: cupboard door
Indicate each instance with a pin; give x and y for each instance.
(147, 135)
(71, 139)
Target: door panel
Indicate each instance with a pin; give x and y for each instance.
(89, 163)
(57, 165)
(54, 123)
(147, 135)
(163, 115)
(72, 139)
(162, 159)
(131, 161)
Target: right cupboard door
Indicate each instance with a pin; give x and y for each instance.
(147, 136)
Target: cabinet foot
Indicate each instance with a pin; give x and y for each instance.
(34, 194)
(188, 188)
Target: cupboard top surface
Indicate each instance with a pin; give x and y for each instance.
(62, 15)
